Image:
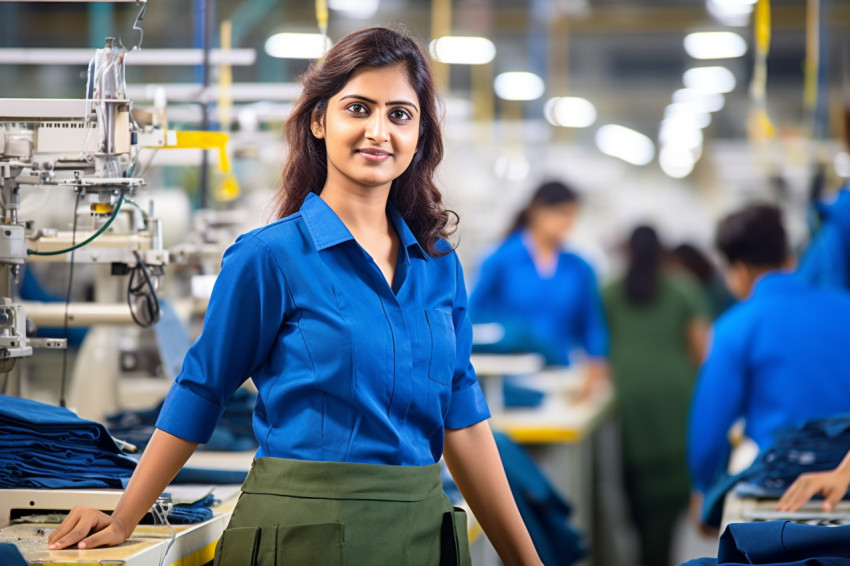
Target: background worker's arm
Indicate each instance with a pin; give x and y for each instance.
(832, 485)
(474, 462)
(90, 528)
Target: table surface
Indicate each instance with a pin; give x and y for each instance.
(746, 510)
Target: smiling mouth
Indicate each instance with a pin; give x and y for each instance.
(374, 154)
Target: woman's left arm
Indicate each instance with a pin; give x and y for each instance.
(476, 467)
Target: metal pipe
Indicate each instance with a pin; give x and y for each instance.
(79, 314)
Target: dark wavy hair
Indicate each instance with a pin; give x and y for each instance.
(551, 193)
(643, 277)
(413, 193)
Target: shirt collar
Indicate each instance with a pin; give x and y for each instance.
(327, 230)
(775, 281)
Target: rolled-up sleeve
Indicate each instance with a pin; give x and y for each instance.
(246, 310)
(468, 405)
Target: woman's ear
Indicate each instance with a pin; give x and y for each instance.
(317, 126)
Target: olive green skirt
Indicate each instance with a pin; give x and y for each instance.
(332, 513)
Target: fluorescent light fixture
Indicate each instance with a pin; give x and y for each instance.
(355, 9)
(842, 164)
(687, 113)
(519, 86)
(715, 45)
(297, 45)
(570, 112)
(680, 134)
(704, 101)
(731, 12)
(457, 50)
(624, 143)
(676, 162)
(710, 79)
(163, 57)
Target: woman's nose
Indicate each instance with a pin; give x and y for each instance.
(377, 128)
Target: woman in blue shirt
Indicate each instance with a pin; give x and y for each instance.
(545, 297)
(349, 315)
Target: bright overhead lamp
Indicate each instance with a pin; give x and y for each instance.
(458, 50)
(570, 112)
(519, 86)
(676, 162)
(297, 45)
(710, 79)
(624, 143)
(715, 45)
(704, 101)
(356, 9)
(683, 112)
(842, 164)
(680, 134)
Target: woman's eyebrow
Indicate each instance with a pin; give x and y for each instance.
(390, 103)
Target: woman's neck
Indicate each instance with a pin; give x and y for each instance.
(362, 212)
(544, 247)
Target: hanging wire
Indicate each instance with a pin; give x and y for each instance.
(160, 512)
(87, 240)
(136, 25)
(64, 379)
(141, 295)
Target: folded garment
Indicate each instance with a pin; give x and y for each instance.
(44, 446)
(815, 446)
(10, 555)
(190, 513)
(781, 543)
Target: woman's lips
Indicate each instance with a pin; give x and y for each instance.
(375, 155)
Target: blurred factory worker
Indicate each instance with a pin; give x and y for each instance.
(695, 262)
(349, 315)
(658, 321)
(778, 358)
(831, 485)
(545, 297)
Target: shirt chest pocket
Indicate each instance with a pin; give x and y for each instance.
(443, 345)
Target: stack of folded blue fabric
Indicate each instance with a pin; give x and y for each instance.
(42, 446)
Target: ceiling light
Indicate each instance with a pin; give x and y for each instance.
(627, 144)
(356, 9)
(680, 134)
(842, 164)
(715, 45)
(684, 112)
(457, 50)
(519, 86)
(710, 79)
(731, 12)
(297, 45)
(704, 101)
(570, 112)
(676, 162)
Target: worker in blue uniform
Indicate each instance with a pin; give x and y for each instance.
(349, 314)
(545, 297)
(778, 358)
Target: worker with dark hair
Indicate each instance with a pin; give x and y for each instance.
(546, 297)
(658, 320)
(778, 358)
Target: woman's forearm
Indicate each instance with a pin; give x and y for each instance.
(160, 462)
(473, 459)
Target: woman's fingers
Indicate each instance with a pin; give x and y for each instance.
(78, 525)
(803, 489)
(106, 537)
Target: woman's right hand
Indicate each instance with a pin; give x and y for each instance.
(831, 485)
(88, 528)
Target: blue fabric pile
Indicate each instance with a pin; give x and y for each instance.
(780, 543)
(816, 446)
(545, 513)
(42, 446)
(190, 513)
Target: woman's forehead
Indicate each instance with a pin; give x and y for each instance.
(383, 83)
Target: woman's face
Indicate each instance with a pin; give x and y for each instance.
(370, 128)
(553, 221)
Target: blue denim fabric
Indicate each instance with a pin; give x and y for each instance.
(781, 543)
(816, 446)
(189, 513)
(545, 513)
(10, 555)
(42, 446)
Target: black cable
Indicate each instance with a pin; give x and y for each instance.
(143, 291)
(68, 302)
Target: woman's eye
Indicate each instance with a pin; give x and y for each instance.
(357, 108)
(399, 114)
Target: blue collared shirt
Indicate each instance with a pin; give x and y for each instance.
(347, 368)
(554, 315)
(777, 359)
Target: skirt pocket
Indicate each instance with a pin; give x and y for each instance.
(454, 541)
(286, 545)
